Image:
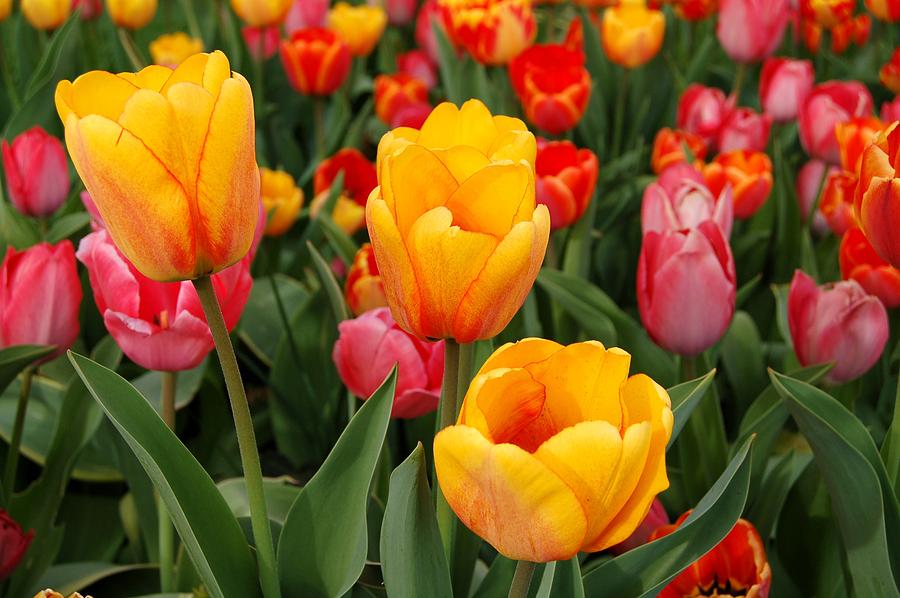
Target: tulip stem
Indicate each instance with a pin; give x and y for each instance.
(739, 76)
(619, 126)
(12, 458)
(319, 126)
(134, 56)
(243, 423)
(164, 523)
(522, 579)
(446, 417)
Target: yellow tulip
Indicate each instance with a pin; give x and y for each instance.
(261, 13)
(360, 26)
(46, 14)
(5, 9)
(457, 236)
(348, 215)
(282, 200)
(172, 49)
(169, 158)
(632, 33)
(556, 450)
(131, 14)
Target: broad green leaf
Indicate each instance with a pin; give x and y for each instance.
(596, 324)
(344, 247)
(890, 447)
(412, 557)
(280, 495)
(187, 383)
(67, 578)
(262, 326)
(567, 580)
(322, 550)
(743, 362)
(643, 571)
(209, 531)
(498, 578)
(43, 74)
(18, 357)
(18, 231)
(331, 286)
(778, 481)
(685, 397)
(449, 65)
(67, 226)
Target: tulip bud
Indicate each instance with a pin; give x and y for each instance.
(751, 30)
(306, 14)
(396, 93)
(13, 544)
(784, 85)
(859, 262)
(360, 26)
(37, 174)
(48, 593)
(40, 295)
(46, 14)
(890, 111)
(744, 129)
(632, 34)
(261, 13)
(316, 61)
(131, 14)
(174, 48)
(262, 42)
(370, 345)
(363, 289)
(416, 63)
(565, 180)
(829, 104)
(748, 173)
(885, 10)
(890, 72)
(836, 203)
(400, 12)
(281, 199)
(360, 179)
(702, 111)
(680, 201)
(669, 148)
(810, 182)
(837, 323)
(492, 31)
(686, 288)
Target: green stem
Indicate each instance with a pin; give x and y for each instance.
(319, 126)
(165, 528)
(12, 458)
(193, 26)
(134, 56)
(446, 417)
(619, 126)
(243, 423)
(8, 82)
(522, 579)
(739, 77)
(463, 374)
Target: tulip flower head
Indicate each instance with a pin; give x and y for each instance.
(836, 203)
(885, 10)
(492, 31)
(46, 14)
(418, 64)
(784, 85)
(877, 195)
(396, 94)
(861, 263)
(261, 13)
(702, 111)
(751, 30)
(363, 289)
(281, 199)
(556, 450)
(400, 12)
(855, 30)
(316, 61)
(13, 544)
(696, 10)
(670, 147)
(169, 157)
(131, 14)
(853, 137)
(680, 200)
(359, 180)
(5, 9)
(827, 13)
(304, 14)
(744, 129)
(750, 177)
(565, 177)
(890, 72)
(37, 174)
(48, 593)
(360, 26)
(90, 9)
(632, 34)
(262, 42)
(827, 105)
(430, 16)
(172, 49)
(890, 111)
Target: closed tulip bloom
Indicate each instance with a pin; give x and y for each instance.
(13, 544)
(829, 104)
(360, 178)
(877, 196)
(890, 72)
(37, 175)
(737, 566)
(400, 12)
(172, 49)
(668, 148)
(394, 93)
(553, 86)
(169, 158)
(492, 31)
(837, 323)
(281, 199)
(316, 61)
(632, 34)
(261, 13)
(751, 30)
(304, 14)
(90, 9)
(836, 203)
(417, 63)
(679, 201)
(884, 10)
(784, 85)
(855, 31)
(159, 325)
(369, 346)
(702, 111)
(827, 13)
(40, 295)
(565, 180)
(5, 9)
(745, 129)
(430, 16)
(363, 289)
(131, 14)
(656, 518)
(360, 26)
(696, 10)
(262, 42)
(890, 111)
(686, 287)
(457, 235)
(853, 137)
(750, 177)
(861, 263)
(556, 450)
(46, 14)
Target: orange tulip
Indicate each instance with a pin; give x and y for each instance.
(750, 177)
(827, 13)
(632, 33)
(853, 137)
(131, 14)
(855, 30)
(282, 200)
(5, 9)
(836, 203)
(169, 158)
(359, 180)
(46, 14)
(363, 289)
(877, 197)
(174, 48)
(457, 236)
(360, 26)
(492, 31)
(859, 262)
(669, 148)
(890, 72)
(396, 93)
(316, 61)
(261, 13)
(556, 450)
(884, 10)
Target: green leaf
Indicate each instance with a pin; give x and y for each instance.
(43, 74)
(412, 557)
(280, 494)
(67, 226)
(567, 581)
(498, 578)
(18, 357)
(449, 64)
(18, 231)
(188, 383)
(67, 578)
(325, 559)
(209, 531)
(743, 362)
(343, 245)
(862, 497)
(331, 286)
(685, 397)
(262, 326)
(646, 569)
(778, 481)
(578, 304)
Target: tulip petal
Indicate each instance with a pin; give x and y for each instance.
(489, 200)
(149, 117)
(508, 497)
(520, 354)
(208, 70)
(462, 161)
(507, 408)
(192, 107)
(97, 92)
(447, 126)
(426, 183)
(152, 77)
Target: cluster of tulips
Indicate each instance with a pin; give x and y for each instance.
(475, 361)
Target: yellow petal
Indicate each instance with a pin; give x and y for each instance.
(520, 354)
(149, 117)
(462, 161)
(448, 125)
(489, 200)
(152, 77)
(413, 182)
(207, 70)
(504, 405)
(192, 107)
(514, 145)
(508, 497)
(98, 92)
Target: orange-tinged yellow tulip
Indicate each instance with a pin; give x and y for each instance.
(46, 14)
(282, 200)
(262, 13)
(457, 235)
(632, 33)
(171, 49)
(131, 14)
(556, 450)
(169, 158)
(360, 26)
(5, 9)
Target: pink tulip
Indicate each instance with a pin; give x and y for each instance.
(702, 111)
(827, 105)
(784, 85)
(40, 294)
(416, 63)
(89, 8)
(890, 111)
(37, 175)
(265, 39)
(304, 14)
(371, 344)
(810, 179)
(680, 200)
(745, 129)
(836, 323)
(750, 30)
(429, 14)
(159, 325)
(686, 287)
(400, 12)
(656, 517)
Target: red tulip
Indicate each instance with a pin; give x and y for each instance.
(363, 288)
(744, 129)
(416, 63)
(261, 41)
(316, 61)
(305, 14)
(400, 12)
(681, 200)
(40, 294)
(90, 9)
(686, 287)
(702, 111)
(695, 10)
(890, 111)
(750, 30)
(396, 93)
(37, 175)
(565, 177)
(837, 323)
(829, 104)
(159, 325)
(853, 137)
(371, 344)
(861, 263)
(359, 174)
(429, 17)
(656, 518)
(13, 544)
(784, 85)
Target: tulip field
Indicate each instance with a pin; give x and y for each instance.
(450, 298)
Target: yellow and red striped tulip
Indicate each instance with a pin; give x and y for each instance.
(46, 14)
(556, 450)
(262, 13)
(457, 235)
(360, 26)
(131, 14)
(282, 200)
(632, 33)
(172, 49)
(492, 31)
(316, 61)
(169, 158)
